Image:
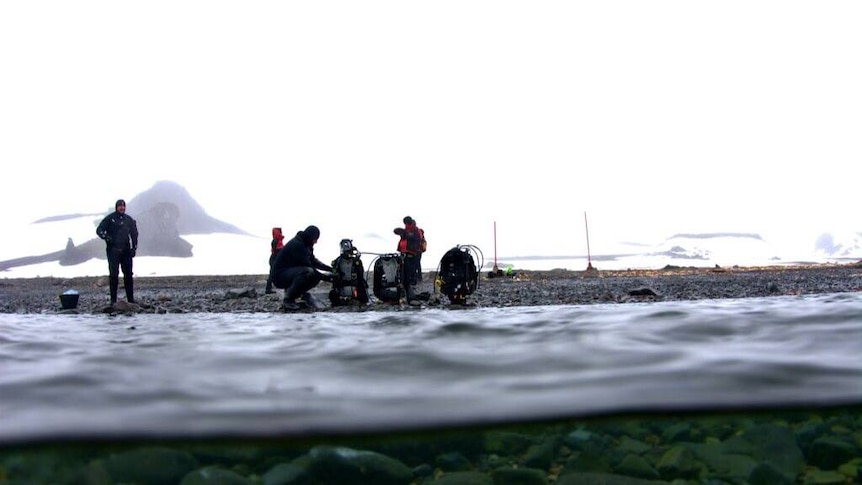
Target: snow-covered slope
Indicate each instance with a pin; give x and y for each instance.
(719, 248)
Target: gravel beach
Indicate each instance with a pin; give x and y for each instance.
(244, 293)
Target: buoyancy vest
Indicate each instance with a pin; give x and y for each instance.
(412, 239)
(458, 275)
(348, 283)
(388, 277)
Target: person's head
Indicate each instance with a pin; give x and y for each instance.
(276, 232)
(310, 235)
(120, 206)
(409, 220)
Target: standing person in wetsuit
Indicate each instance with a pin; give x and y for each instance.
(120, 233)
(295, 269)
(275, 246)
(411, 245)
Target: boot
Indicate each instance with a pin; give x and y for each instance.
(411, 296)
(269, 289)
(130, 291)
(312, 301)
(289, 303)
(114, 284)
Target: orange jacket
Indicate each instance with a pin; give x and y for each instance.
(412, 239)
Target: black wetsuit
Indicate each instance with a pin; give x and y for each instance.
(120, 232)
(294, 268)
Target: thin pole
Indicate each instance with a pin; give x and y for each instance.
(587, 228)
(495, 246)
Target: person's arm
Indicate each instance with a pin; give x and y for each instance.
(102, 229)
(318, 264)
(134, 236)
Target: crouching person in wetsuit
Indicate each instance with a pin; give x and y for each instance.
(295, 269)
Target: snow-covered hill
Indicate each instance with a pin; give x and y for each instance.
(719, 248)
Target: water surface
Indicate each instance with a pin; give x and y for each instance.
(190, 375)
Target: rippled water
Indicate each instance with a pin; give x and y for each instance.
(263, 374)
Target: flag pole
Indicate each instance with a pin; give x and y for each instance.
(587, 228)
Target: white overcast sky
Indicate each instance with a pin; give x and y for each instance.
(653, 117)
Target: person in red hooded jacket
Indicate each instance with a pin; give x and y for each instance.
(411, 246)
(275, 246)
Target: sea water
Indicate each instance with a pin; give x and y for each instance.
(116, 384)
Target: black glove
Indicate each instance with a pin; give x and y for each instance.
(132, 252)
(109, 239)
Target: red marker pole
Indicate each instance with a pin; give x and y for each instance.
(495, 247)
(587, 228)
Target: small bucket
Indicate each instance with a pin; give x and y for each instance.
(69, 300)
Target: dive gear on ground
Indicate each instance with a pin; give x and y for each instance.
(457, 274)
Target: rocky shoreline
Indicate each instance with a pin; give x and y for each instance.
(244, 293)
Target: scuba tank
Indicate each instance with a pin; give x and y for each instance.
(388, 277)
(348, 282)
(457, 275)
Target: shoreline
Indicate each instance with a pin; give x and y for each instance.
(244, 293)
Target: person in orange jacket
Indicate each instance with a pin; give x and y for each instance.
(411, 246)
(275, 246)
